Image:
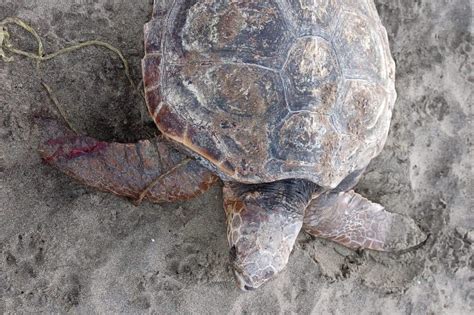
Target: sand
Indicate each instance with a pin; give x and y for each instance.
(65, 248)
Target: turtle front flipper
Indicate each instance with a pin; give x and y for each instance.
(351, 220)
(148, 169)
(263, 221)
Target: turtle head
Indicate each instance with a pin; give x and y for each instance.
(263, 222)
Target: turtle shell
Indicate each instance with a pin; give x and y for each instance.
(270, 90)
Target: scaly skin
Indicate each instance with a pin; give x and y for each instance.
(149, 169)
(263, 222)
(351, 220)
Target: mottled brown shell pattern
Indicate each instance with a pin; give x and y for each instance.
(269, 90)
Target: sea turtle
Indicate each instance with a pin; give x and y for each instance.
(284, 101)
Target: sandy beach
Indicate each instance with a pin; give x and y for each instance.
(65, 248)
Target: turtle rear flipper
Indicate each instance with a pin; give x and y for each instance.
(148, 169)
(351, 220)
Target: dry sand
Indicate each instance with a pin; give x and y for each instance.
(67, 248)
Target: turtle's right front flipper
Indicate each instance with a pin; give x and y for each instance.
(351, 220)
(148, 169)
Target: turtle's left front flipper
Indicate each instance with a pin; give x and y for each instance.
(148, 169)
(351, 220)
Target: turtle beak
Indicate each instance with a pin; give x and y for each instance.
(241, 283)
(248, 276)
